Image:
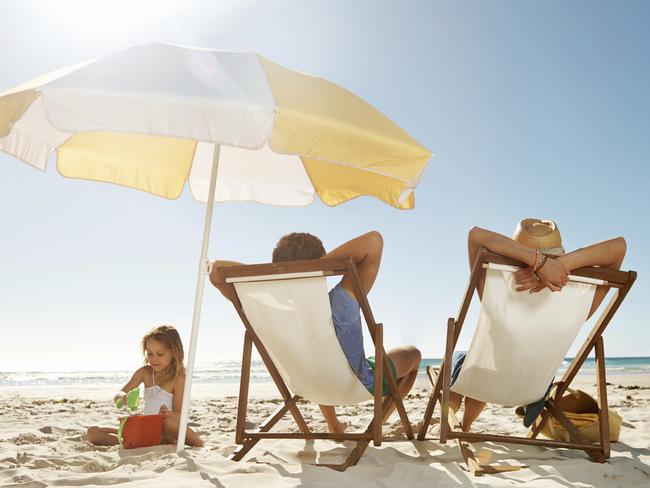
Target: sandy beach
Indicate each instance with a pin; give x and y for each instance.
(42, 444)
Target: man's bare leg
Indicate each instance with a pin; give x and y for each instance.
(406, 360)
(334, 426)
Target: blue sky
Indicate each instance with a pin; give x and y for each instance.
(532, 109)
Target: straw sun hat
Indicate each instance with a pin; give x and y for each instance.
(539, 234)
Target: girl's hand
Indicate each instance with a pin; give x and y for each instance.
(120, 396)
(163, 410)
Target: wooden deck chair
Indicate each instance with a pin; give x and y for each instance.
(286, 311)
(520, 342)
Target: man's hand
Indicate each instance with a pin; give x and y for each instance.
(215, 278)
(553, 274)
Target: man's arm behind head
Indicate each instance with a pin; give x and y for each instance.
(365, 251)
(215, 278)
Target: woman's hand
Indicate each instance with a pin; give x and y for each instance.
(163, 410)
(527, 280)
(553, 274)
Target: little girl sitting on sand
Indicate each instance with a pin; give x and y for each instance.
(163, 376)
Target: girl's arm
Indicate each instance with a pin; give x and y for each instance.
(172, 422)
(177, 396)
(553, 274)
(136, 379)
(216, 280)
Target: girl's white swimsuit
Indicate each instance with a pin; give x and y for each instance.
(155, 397)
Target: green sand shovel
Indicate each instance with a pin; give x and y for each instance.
(132, 400)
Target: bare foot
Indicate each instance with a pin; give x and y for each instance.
(334, 425)
(339, 428)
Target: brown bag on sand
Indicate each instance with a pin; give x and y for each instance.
(582, 410)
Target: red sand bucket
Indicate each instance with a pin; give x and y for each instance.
(142, 431)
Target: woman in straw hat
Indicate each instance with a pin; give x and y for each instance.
(537, 243)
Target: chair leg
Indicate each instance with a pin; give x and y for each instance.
(387, 404)
(379, 383)
(242, 402)
(603, 408)
(433, 399)
(539, 424)
(574, 433)
(408, 429)
(446, 383)
(468, 455)
(394, 396)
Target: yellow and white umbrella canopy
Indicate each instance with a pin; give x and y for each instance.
(150, 116)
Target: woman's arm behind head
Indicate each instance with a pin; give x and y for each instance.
(606, 254)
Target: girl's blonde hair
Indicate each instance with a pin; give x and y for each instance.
(168, 335)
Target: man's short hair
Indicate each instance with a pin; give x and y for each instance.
(297, 246)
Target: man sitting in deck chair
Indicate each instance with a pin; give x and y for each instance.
(366, 251)
(537, 243)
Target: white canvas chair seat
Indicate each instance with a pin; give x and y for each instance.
(521, 339)
(293, 319)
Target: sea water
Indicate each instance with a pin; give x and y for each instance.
(229, 372)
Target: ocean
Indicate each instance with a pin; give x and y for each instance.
(228, 372)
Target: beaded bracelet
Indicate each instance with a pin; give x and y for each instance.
(540, 260)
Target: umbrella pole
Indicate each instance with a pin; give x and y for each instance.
(198, 299)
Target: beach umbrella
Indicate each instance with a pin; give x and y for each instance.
(235, 125)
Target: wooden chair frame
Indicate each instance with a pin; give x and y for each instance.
(373, 432)
(600, 452)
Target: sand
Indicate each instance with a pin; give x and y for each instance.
(42, 444)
